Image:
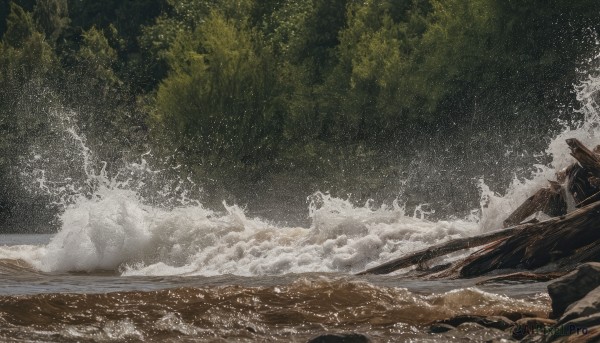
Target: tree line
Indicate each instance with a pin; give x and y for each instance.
(249, 88)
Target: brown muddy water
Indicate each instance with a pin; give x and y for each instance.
(40, 306)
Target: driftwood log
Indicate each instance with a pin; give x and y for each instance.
(583, 178)
(589, 200)
(578, 183)
(550, 200)
(441, 250)
(566, 239)
(569, 240)
(539, 244)
(587, 158)
(521, 277)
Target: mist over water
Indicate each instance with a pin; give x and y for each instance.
(137, 220)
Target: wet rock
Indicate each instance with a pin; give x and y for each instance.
(531, 326)
(584, 329)
(514, 316)
(494, 322)
(588, 306)
(592, 336)
(579, 325)
(341, 338)
(536, 321)
(573, 287)
(440, 328)
(576, 300)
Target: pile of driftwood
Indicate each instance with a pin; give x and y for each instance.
(571, 236)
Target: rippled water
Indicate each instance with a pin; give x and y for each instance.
(122, 270)
(106, 306)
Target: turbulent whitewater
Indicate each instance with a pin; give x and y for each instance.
(108, 225)
(125, 266)
(116, 231)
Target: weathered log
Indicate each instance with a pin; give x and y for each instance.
(583, 181)
(587, 253)
(587, 158)
(550, 200)
(567, 239)
(539, 244)
(522, 277)
(589, 200)
(578, 183)
(584, 177)
(454, 271)
(442, 249)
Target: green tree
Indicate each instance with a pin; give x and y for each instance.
(5, 6)
(25, 54)
(52, 17)
(217, 100)
(304, 36)
(97, 58)
(26, 62)
(370, 85)
(19, 26)
(458, 53)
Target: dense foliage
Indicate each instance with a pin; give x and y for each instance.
(247, 89)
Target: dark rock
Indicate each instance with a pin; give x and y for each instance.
(341, 338)
(573, 287)
(536, 321)
(583, 329)
(514, 316)
(440, 328)
(495, 322)
(588, 306)
(528, 326)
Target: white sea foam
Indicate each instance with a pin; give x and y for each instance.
(115, 229)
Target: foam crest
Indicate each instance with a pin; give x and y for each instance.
(116, 231)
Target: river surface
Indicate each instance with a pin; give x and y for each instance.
(292, 307)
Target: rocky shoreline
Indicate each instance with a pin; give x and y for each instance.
(575, 315)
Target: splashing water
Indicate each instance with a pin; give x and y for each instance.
(495, 208)
(108, 225)
(116, 231)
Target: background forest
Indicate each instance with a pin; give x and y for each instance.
(276, 99)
